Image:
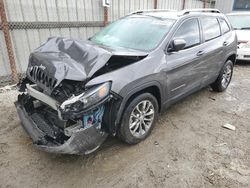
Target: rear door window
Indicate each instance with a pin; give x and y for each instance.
(210, 27)
(190, 32)
(224, 26)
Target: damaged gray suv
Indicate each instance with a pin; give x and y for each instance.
(76, 93)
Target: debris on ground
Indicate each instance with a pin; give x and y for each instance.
(7, 88)
(156, 143)
(221, 144)
(229, 126)
(175, 159)
(241, 169)
(3, 147)
(212, 98)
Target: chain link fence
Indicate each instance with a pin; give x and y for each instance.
(31, 23)
(4, 65)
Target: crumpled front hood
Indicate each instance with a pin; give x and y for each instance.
(65, 58)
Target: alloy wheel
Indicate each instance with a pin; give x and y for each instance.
(226, 76)
(141, 118)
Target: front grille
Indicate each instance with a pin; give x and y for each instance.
(38, 74)
(51, 131)
(42, 125)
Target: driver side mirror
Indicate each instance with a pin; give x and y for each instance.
(177, 45)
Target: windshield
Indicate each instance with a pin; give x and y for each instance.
(240, 21)
(140, 33)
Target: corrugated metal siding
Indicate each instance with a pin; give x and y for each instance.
(26, 41)
(171, 4)
(223, 6)
(4, 65)
(178, 4)
(193, 4)
(121, 8)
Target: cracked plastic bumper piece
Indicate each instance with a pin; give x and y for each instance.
(83, 141)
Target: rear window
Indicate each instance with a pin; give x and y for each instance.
(224, 26)
(210, 27)
(240, 21)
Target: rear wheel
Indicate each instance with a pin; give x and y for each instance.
(138, 119)
(224, 77)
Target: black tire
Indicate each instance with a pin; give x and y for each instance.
(124, 132)
(218, 84)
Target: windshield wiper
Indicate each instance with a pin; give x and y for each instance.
(241, 28)
(245, 28)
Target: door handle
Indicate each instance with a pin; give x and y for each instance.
(200, 53)
(225, 43)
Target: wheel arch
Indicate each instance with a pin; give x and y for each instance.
(232, 57)
(153, 88)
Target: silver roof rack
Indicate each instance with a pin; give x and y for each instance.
(187, 11)
(152, 10)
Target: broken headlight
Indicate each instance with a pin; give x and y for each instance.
(96, 94)
(91, 97)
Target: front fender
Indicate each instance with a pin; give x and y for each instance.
(116, 108)
(132, 89)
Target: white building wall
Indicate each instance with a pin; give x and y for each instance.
(224, 6)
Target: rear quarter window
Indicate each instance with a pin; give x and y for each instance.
(224, 26)
(210, 27)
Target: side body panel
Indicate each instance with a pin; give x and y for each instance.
(213, 59)
(231, 48)
(183, 67)
(183, 72)
(159, 69)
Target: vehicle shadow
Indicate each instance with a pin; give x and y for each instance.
(110, 144)
(242, 63)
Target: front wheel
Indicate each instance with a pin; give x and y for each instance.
(224, 77)
(138, 119)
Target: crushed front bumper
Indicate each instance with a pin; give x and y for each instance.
(84, 141)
